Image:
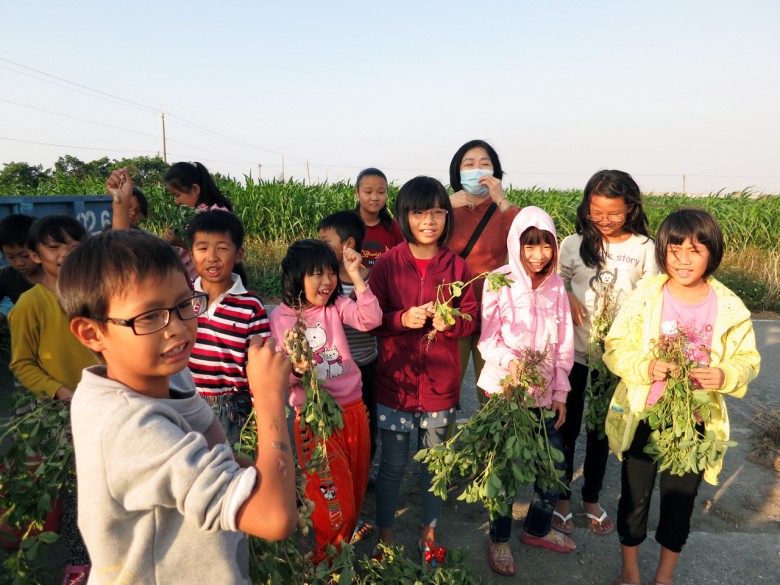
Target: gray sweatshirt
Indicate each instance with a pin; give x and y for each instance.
(158, 487)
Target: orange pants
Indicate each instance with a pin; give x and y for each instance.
(337, 495)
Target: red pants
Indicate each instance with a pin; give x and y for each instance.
(338, 496)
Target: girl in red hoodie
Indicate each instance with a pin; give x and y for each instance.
(418, 382)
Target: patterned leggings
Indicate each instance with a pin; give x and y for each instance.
(70, 530)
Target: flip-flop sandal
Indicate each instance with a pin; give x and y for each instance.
(553, 540)
(500, 553)
(564, 520)
(362, 530)
(598, 519)
(377, 555)
(619, 581)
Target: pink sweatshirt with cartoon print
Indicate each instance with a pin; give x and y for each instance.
(325, 333)
(517, 317)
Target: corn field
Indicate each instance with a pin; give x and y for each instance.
(276, 213)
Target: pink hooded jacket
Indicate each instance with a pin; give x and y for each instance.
(517, 317)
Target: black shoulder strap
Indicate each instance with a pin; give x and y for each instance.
(478, 230)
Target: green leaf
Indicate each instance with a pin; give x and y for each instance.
(48, 537)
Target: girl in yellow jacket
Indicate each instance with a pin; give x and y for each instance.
(716, 325)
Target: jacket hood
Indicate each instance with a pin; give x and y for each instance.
(528, 217)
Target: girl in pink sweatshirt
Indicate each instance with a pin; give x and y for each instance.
(531, 313)
(310, 285)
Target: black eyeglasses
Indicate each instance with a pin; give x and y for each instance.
(434, 213)
(157, 319)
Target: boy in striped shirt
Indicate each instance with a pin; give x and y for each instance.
(233, 318)
(346, 228)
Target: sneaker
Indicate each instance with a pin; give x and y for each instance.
(76, 574)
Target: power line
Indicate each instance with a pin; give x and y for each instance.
(70, 88)
(195, 126)
(77, 118)
(122, 129)
(44, 66)
(129, 102)
(182, 156)
(134, 104)
(70, 145)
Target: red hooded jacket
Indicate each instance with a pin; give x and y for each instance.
(413, 375)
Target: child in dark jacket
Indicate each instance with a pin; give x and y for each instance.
(418, 382)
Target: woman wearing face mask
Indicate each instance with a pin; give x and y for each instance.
(483, 216)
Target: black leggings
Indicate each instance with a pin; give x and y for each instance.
(678, 494)
(369, 374)
(596, 450)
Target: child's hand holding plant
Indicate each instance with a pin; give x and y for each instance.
(120, 186)
(659, 370)
(444, 313)
(440, 325)
(680, 440)
(709, 378)
(415, 317)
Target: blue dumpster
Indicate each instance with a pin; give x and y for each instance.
(93, 211)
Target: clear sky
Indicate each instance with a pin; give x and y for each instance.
(560, 88)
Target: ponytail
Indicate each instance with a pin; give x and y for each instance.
(183, 175)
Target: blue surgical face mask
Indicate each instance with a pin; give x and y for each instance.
(469, 179)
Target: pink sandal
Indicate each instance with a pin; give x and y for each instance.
(553, 540)
(76, 574)
(499, 553)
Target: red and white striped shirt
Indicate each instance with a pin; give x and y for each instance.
(218, 360)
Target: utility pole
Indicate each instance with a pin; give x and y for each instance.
(282, 168)
(683, 184)
(162, 119)
(308, 174)
(259, 170)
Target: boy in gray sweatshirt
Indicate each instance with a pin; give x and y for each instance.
(161, 498)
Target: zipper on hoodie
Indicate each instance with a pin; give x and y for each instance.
(420, 348)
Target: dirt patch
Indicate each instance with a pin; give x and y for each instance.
(765, 315)
(766, 440)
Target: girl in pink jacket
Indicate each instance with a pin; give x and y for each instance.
(531, 313)
(311, 287)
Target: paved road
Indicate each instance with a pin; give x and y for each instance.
(735, 534)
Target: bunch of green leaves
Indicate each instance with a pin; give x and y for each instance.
(279, 562)
(36, 469)
(175, 217)
(395, 567)
(447, 292)
(504, 445)
(679, 440)
(602, 382)
(320, 411)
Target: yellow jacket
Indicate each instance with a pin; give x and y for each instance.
(44, 353)
(628, 355)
